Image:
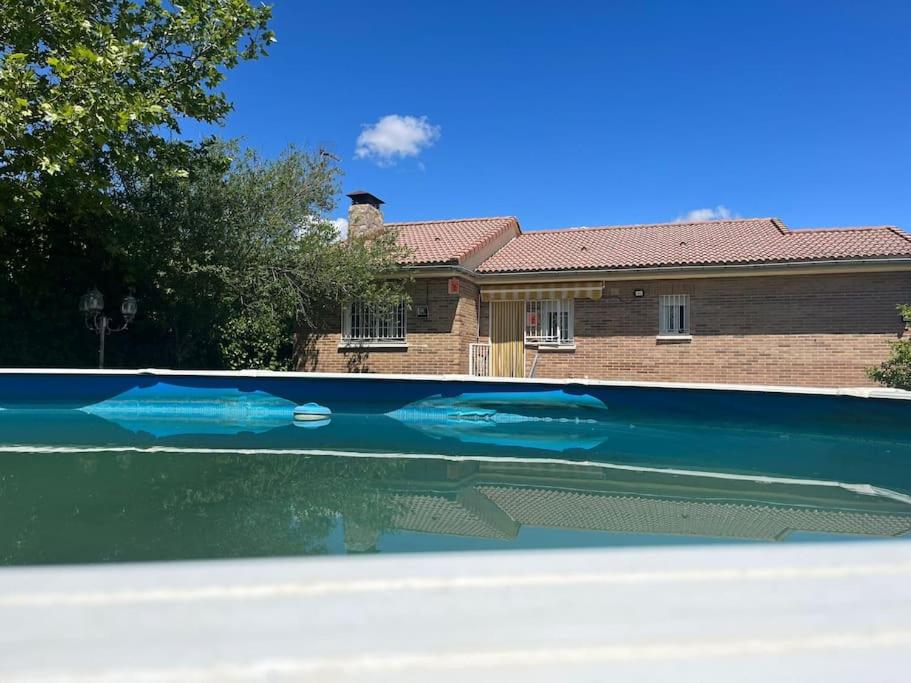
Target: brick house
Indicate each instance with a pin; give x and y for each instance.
(743, 301)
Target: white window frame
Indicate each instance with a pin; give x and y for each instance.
(556, 323)
(674, 316)
(363, 326)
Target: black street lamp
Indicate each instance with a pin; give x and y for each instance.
(91, 305)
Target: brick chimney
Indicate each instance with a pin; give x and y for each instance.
(364, 214)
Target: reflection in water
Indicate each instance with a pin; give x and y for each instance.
(167, 409)
(140, 478)
(312, 424)
(118, 506)
(496, 500)
(98, 507)
(501, 429)
(813, 450)
(526, 402)
(177, 426)
(523, 420)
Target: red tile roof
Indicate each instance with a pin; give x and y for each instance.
(450, 241)
(752, 240)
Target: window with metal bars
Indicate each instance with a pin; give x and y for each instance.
(673, 314)
(362, 322)
(549, 321)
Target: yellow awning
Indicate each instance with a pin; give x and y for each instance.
(568, 290)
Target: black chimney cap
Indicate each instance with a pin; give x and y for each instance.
(364, 197)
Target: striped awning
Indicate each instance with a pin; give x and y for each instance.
(568, 290)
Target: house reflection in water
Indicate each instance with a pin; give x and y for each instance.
(495, 500)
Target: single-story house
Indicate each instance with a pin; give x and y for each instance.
(737, 300)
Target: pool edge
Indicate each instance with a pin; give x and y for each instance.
(856, 392)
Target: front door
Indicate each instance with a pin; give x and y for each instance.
(507, 338)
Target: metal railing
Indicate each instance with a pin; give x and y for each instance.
(479, 360)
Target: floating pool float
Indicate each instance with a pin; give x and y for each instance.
(311, 412)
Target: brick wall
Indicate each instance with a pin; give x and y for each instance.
(810, 330)
(436, 344)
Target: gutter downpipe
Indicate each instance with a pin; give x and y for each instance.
(534, 365)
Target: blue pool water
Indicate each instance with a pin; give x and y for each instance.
(119, 467)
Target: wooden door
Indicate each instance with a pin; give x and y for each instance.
(507, 338)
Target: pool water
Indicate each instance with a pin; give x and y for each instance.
(136, 477)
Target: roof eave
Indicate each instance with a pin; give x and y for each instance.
(900, 263)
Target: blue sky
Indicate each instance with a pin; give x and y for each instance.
(575, 113)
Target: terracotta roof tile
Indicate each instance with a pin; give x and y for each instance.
(752, 240)
(450, 241)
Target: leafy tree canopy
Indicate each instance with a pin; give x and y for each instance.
(241, 258)
(91, 87)
(230, 255)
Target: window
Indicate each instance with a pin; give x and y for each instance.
(549, 321)
(674, 314)
(362, 323)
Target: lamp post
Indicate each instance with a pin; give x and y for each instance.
(91, 305)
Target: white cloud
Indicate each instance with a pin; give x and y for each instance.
(395, 137)
(341, 224)
(719, 213)
(313, 220)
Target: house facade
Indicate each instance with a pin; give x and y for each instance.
(738, 301)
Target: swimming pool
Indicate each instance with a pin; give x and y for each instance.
(121, 466)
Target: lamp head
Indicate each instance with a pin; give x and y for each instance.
(91, 302)
(128, 307)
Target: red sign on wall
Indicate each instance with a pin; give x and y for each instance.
(531, 319)
(454, 285)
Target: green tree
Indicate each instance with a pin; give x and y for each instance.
(896, 370)
(230, 255)
(239, 260)
(92, 88)
(92, 95)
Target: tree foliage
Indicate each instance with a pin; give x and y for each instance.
(231, 264)
(91, 88)
(230, 255)
(239, 257)
(173, 506)
(896, 370)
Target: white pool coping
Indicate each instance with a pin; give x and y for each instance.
(857, 392)
(808, 612)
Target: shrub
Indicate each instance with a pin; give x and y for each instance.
(896, 370)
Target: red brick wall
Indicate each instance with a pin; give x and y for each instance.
(436, 344)
(809, 330)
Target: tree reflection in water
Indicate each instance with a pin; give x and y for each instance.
(164, 506)
(122, 506)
